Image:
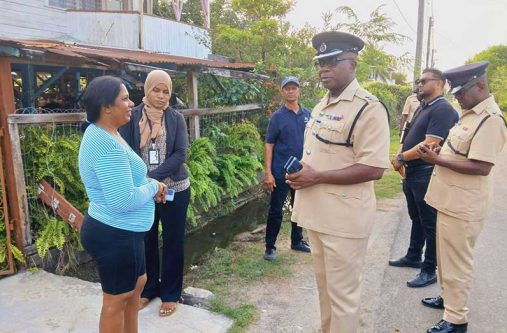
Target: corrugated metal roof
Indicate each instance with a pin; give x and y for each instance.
(107, 55)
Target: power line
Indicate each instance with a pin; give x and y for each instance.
(403, 16)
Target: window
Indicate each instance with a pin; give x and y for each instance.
(76, 4)
(64, 4)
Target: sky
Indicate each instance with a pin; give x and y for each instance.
(462, 27)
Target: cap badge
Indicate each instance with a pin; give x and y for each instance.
(322, 48)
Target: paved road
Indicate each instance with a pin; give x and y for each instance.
(398, 307)
(388, 305)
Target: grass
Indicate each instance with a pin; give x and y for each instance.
(229, 272)
(242, 315)
(389, 186)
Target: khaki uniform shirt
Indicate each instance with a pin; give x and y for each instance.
(343, 210)
(468, 197)
(411, 104)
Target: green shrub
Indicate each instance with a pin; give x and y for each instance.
(392, 95)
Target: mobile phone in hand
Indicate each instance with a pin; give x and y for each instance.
(292, 165)
(169, 195)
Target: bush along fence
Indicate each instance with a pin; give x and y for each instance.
(224, 161)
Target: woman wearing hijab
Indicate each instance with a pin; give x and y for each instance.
(158, 134)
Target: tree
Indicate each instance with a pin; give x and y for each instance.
(496, 71)
(378, 30)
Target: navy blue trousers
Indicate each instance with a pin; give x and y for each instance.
(165, 279)
(275, 215)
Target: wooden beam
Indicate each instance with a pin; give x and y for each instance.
(7, 221)
(219, 110)
(193, 103)
(19, 179)
(7, 107)
(49, 82)
(28, 76)
(49, 118)
(60, 205)
(235, 74)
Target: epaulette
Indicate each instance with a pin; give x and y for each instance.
(366, 96)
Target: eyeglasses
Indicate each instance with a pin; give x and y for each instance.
(464, 89)
(424, 81)
(329, 61)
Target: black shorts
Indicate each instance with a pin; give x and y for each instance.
(119, 255)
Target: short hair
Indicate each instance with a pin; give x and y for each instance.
(437, 73)
(100, 92)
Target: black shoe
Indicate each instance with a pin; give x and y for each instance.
(422, 279)
(447, 327)
(433, 302)
(405, 262)
(301, 246)
(270, 254)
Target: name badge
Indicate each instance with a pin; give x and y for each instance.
(153, 155)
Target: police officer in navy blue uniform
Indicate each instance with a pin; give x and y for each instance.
(430, 125)
(284, 139)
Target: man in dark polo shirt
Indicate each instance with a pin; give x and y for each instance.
(430, 124)
(284, 139)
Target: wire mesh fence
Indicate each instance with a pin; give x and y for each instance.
(207, 122)
(49, 151)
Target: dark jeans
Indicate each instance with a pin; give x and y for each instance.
(423, 216)
(166, 280)
(275, 215)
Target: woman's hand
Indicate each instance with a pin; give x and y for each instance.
(162, 190)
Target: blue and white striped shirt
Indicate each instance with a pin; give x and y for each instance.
(115, 180)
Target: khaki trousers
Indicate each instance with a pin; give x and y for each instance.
(338, 263)
(455, 241)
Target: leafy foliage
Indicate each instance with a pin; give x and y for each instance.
(393, 97)
(50, 153)
(224, 163)
(496, 71)
(54, 234)
(205, 192)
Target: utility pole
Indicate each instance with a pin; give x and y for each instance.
(433, 58)
(418, 48)
(428, 46)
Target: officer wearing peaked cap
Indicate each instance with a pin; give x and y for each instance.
(461, 190)
(346, 147)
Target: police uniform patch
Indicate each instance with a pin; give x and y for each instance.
(322, 48)
(336, 117)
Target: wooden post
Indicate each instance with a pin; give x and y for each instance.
(193, 103)
(7, 107)
(28, 77)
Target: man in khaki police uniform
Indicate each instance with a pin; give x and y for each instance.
(411, 104)
(346, 147)
(461, 189)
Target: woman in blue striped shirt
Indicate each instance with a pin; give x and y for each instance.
(121, 203)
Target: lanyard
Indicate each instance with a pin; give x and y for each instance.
(151, 127)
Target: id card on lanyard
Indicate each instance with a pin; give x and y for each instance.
(153, 154)
(153, 151)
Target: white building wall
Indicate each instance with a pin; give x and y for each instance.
(34, 19)
(174, 37)
(26, 19)
(104, 29)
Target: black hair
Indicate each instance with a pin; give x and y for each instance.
(437, 73)
(100, 92)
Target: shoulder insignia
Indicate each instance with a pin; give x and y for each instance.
(365, 95)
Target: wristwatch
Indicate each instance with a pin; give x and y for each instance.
(400, 159)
